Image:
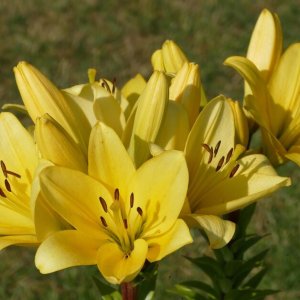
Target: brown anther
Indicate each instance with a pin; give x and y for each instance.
(117, 194)
(6, 172)
(125, 223)
(103, 204)
(217, 148)
(3, 167)
(2, 193)
(229, 154)
(103, 221)
(210, 151)
(131, 200)
(114, 85)
(234, 170)
(7, 185)
(220, 163)
(105, 85)
(140, 211)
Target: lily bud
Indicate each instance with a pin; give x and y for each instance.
(56, 145)
(157, 61)
(186, 89)
(148, 118)
(173, 57)
(41, 96)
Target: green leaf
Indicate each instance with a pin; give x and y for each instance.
(254, 281)
(246, 268)
(240, 246)
(244, 219)
(107, 292)
(250, 294)
(232, 267)
(203, 287)
(224, 254)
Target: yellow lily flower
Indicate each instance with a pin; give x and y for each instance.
(274, 104)
(220, 180)
(18, 163)
(41, 96)
(127, 218)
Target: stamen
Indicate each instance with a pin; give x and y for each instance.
(103, 221)
(210, 151)
(105, 85)
(2, 193)
(7, 185)
(229, 154)
(217, 148)
(114, 85)
(6, 172)
(103, 204)
(234, 170)
(220, 163)
(131, 200)
(140, 211)
(125, 223)
(117, 194)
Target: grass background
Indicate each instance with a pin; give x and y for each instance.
(63, 38)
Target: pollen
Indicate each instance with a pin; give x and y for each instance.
(220, 163)
(103, 221)
(217, 148)
(140, 211)
(234, 170)
(2, 193)
(117, 194)
(103, 204)
(7, 185)
(131, 200)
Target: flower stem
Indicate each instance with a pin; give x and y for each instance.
(129, 291)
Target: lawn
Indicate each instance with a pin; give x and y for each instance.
(64, 38)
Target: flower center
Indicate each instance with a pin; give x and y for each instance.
(224, 160)
(122, 223)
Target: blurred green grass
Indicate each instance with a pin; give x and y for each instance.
(63, 38)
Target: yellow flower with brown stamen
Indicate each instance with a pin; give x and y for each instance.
(18, 162)
(121, 216)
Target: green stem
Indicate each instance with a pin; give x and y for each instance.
(129, 291)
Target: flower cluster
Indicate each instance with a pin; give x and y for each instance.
(117, 177)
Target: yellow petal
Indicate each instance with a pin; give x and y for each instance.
(219, 232)
(241, 123)
(132, 90)
(109, 161)
(56, 145)
(13, 222)
(260, 104)
(254, 179)
(66, 249)
(185, 88)
(85, 104)
(285, 90)
(159, 187)
(75, 196)
(174, 129)
(173, 56)
(162, 245)
(148, 117)
(40, 96)
(116, 266)
(18, 240)
(157, 61)
(266, 43)
(107, 110)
